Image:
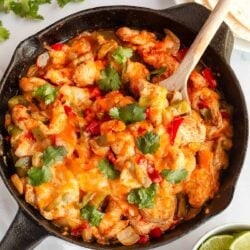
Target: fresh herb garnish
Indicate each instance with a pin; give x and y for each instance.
(108, 169)
(91, 214)
(26, 9)
(62, 3)
(174, 176)
(46, 92)
(110, 79)
(143, 197)
(121, 54)
(37, 176)
(156, 72)
(128, 114)
(148, 143)
(4, 33)
(51, 154)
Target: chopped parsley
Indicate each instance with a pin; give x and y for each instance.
(156, 72)
(143, 197)
(91, 214)
(46, 92)
(174, 176)
(121, 54)
(108, 169)
(148, 143)
(110, 79)
(128, 114)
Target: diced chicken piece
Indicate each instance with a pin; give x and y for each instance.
(59, 76)
(75, 96)
(197, 81)
(190, 131)
(135, 36)
(155, 98)
(59, 197)
(107, 47)
(81, 45)
(85, 74)
(164, 205)
(30, 83)
(211, 100)
(134, 70)
(203, 182)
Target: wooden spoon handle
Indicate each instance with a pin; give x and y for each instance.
(203, 38)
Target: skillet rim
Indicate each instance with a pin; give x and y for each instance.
(47, 226)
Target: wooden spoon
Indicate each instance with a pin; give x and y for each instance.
(178, 81)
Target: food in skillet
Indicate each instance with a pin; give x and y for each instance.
(105, 152)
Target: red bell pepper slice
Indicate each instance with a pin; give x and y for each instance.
(57, 46)
(78, 230)
(68, 110)
(155, 232)
(143, 239)
(147, 112)
(173, 128)
(208, 75)
(93, 128)
(94, 92)
(225, 114)
(154, 175)
(181, 54)
(203, 104)
(111, 157)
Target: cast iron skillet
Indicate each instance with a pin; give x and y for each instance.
(29, 227)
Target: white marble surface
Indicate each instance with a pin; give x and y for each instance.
(238, 211)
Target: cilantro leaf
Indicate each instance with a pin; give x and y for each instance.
(143, 197)
(46, 92)
(4, 33)
(53, 154)
(110, 79)
(174, 176)
(121, 54)
(5, 5)
(37, 176)
(91, 214)
(62, 3)
(26, 8)
(156, 72)
(108, 169)
(148, 143)
(128, 114)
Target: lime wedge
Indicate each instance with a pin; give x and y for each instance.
(242, 242)
(218, 242)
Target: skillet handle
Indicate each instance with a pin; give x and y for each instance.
(23, 233)
(193, 16)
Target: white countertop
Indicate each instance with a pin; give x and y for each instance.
(238, 210)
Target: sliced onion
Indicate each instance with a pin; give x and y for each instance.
(128, 236)
(175, 40)
(42, 60)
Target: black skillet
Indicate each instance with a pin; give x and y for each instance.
(29, 227)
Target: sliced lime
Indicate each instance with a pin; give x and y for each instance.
(242, 242)
(218, 242)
